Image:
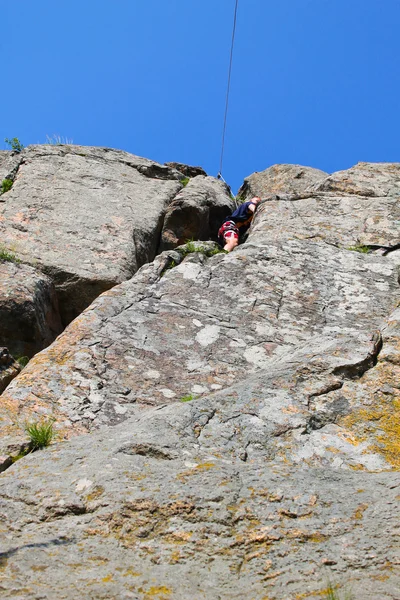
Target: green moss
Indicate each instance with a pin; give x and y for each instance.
(192, 246)
(6, 185)
(359, 248)
(22, 360)
(188, 398)
(185, 181)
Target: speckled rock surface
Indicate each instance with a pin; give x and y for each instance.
(29, 317)
(9, 162)
(160, 506)
(253, 400)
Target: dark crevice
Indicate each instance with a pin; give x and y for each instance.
(340, 406)
(149, 450)
(329, 387)
(357, 370)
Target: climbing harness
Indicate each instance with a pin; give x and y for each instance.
(227, 93)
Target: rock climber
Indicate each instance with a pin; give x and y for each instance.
(235, 226)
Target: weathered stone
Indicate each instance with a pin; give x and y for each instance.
(287, 179)
(160, 507)
(9, 162)
(365, 179)
(196, 212)
(29, 317)
(88, 217)
(186, 170)
(339, 217)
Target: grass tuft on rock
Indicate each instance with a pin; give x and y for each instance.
(7, 255)
(331, 593)
(40, 433)
(58, 140)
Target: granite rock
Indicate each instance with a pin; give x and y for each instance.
(242, 409)
(87, 217)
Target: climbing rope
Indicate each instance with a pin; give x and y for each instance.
(227, 93)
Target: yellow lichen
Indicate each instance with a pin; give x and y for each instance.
(381, 423)
(161, 592)
(359, 512)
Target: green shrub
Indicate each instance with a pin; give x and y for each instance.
(40, 433)
(14, 144)
(7, 255)
(185, 181)
(359, 248)
(6, 185)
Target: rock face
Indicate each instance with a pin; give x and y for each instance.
(9, 369)
(186, 170)
(196, 212)
(287, 179)
(243, 410)
(87, 217)
(29, 317)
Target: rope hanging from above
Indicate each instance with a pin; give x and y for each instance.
(227, 93)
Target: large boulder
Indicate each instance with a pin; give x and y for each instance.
(29, 317)
(88, 217)
(252, 400)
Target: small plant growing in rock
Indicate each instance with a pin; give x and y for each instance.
(40, 433)
(6, 186)
(185, 181)
(7, 256)
(188, 398)
(190, 247)
(215, 251)
(58, 140)
(359, 248)
(14, 144)
(22, 360)
(331, 594)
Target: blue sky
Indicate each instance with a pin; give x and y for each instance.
(314, 82)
